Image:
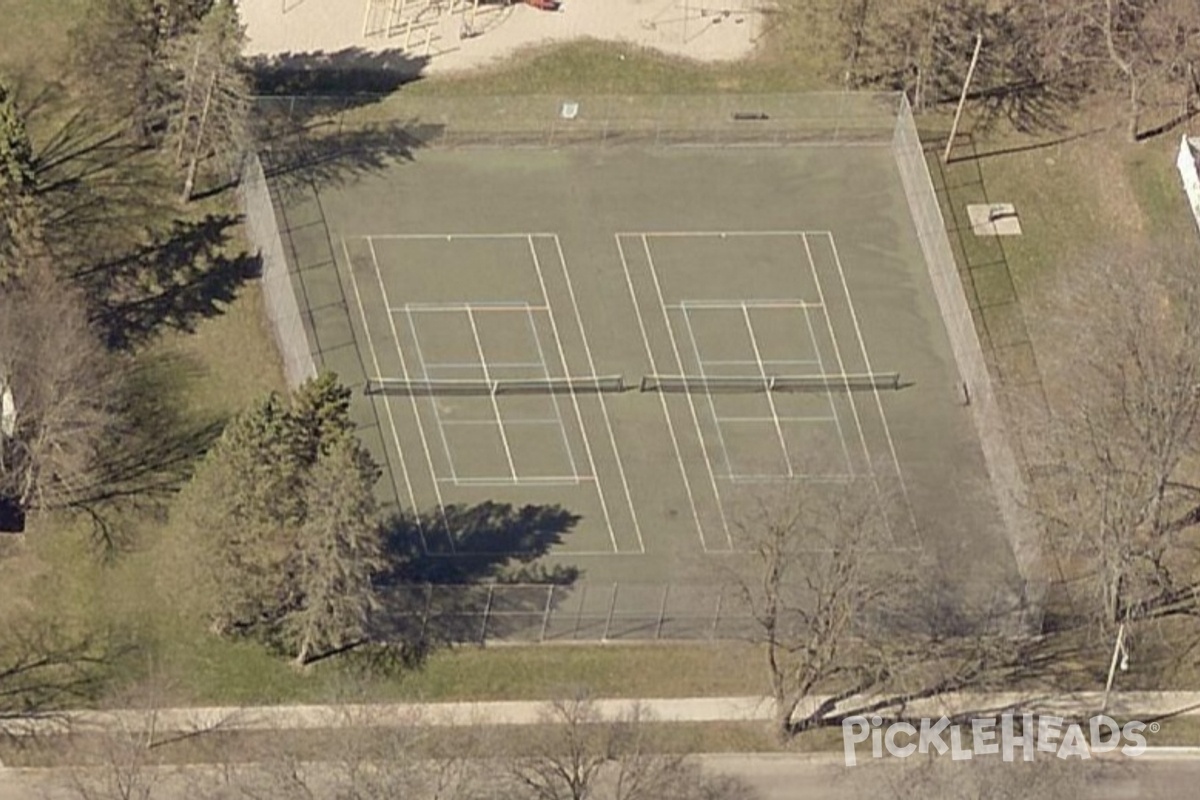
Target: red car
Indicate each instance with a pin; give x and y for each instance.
(544, 5)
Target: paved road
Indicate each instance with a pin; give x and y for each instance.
(776, 777)
(1128, 705)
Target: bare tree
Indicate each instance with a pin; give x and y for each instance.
(211, 120)
(811, 593)
(63, 382)
(577, 754)
(1148, 42)
(986, 778)
(1124, 438)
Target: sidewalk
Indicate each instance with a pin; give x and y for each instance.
(1145, 706)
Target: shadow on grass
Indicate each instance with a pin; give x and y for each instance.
(183, 275)
(44, 670)
(150, 456)
(470, 575)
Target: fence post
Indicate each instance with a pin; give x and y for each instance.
(428, 609)
(487, 610)
(612, 607)
(546, 613)
(579, 616)
(717, 615)
(662, 612)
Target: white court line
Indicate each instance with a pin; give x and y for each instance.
(816, 361)
(416, 411)
(812, 333)
(452, 236)
(549, 480)
(435, 365)
(562, 428)
(495, 406)
(387, 403)
(718, 362)
(718, 234)
(562, 357)
(878, 400)
(835, 477)
(781, 419)
(612, 437)
(437, 415)
(687, 484)
(691, 404)
(762, 370)
(841, 370)
(712, 404)
(490, 306)
(736, 305)
(450, 422)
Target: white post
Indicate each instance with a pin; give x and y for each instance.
(962, 100)
(1117, 657)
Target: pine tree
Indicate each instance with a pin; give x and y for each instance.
(339, 552)
(285, 508)
(244, 501)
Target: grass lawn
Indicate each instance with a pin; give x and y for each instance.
(1073, 197)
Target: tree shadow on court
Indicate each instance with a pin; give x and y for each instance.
(311, 119)
(468, 574)
(188, 272)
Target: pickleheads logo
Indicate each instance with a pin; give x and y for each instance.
(1004, 737)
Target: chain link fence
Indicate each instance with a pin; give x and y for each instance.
(279, 295)
(1007, 479)
(542, 613)
(529, 613)
(674, 120)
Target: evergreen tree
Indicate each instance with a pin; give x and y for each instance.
(339, 552)
(285, 508)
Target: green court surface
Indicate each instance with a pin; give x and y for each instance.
(492, 265)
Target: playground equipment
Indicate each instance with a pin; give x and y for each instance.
(693, 17)
(421, 22)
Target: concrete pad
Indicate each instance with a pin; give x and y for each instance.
(995, 219)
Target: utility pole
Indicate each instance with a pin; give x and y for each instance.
(1120, 658)
(962, 100)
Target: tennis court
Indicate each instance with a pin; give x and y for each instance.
(652, 338)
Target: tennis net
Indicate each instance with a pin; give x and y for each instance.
(771, 383)
(430, 386)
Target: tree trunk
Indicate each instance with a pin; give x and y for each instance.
(1135, 106)
(188, 86)
(189, 183)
